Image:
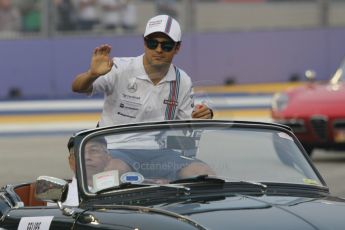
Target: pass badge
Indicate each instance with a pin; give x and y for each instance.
(105, 180)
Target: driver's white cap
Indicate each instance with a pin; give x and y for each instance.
(164, 24)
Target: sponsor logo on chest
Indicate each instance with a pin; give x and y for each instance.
(130, 97)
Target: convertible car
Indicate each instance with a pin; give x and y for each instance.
(315, 112)
(194, 174)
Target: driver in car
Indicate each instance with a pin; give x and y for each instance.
(98, 159)
(163, 164)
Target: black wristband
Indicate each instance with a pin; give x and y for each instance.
(211, 113)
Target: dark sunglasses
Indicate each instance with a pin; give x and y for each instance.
(166, 46)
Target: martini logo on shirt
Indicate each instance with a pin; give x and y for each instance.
(169, 102)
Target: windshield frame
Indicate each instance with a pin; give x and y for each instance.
(84, 136)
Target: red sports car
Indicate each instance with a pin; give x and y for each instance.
(315, 112)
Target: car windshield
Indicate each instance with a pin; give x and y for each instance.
(165, 153)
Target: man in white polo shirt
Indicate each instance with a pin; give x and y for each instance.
(144, 88)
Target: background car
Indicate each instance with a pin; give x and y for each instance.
(242, 175)
(315, 112)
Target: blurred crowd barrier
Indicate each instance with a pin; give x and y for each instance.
(20, 18)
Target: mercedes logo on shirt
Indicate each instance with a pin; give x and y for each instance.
(132, 87)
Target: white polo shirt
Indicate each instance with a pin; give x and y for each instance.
(130, 96)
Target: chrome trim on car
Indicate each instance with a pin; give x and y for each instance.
(51, 189)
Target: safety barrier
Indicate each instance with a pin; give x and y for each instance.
(240, 102)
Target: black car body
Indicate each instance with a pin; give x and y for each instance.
(261, 178)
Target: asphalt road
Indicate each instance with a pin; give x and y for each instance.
(25, 158)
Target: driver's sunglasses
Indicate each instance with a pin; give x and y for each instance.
(166, 46)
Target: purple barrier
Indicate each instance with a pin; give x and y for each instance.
(46, 67)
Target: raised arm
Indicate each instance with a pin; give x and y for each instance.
(101, 64)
